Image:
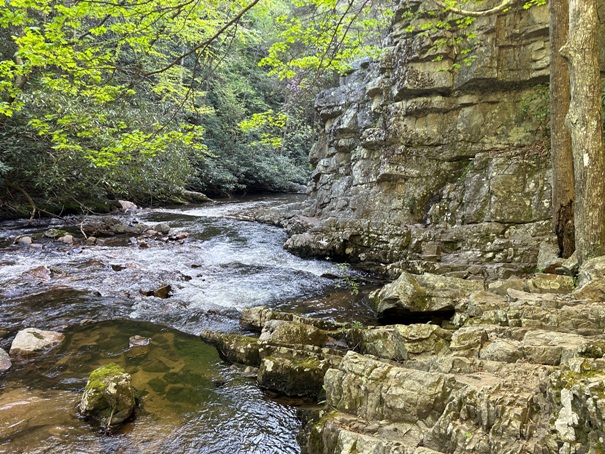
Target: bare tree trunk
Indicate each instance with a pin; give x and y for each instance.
(584, 123)
(560, 139)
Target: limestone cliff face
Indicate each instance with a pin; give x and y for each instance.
(441, 170)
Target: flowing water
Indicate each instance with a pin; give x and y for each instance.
(95, 294)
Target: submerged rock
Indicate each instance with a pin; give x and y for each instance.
(109, 398)
(5, 361)
(138, 341)
(32, 340)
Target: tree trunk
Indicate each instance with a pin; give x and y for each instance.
(560, 140)
(584, 123)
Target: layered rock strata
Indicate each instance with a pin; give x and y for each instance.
(440, 168)
(517, 369)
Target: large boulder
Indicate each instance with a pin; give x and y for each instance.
(109, 397)
(295, 371)
(32, 340)
(425, 294)
(400, 342)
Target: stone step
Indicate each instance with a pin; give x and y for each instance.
(512, 345)
(459, 403)
(345, 434)
(562, 313)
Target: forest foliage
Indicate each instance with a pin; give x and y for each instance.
(124, 98)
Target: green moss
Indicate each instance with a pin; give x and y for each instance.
(311, 362)
(595, 350)
(247, 341)
(98, 378)
(327, 416)
(55, 233)
(157, 385)
(464, 171)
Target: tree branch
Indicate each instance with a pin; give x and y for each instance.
(27, 196)
(205, 43)
(488, 12)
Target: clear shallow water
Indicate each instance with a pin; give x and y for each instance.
(192, 402)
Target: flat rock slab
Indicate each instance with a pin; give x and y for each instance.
(32, 340)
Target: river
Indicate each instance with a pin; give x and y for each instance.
(95, 294)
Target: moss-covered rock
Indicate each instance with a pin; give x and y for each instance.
(283, 332)
(109, 397)
(294, 372)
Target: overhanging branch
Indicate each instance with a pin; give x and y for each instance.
(205, 43)
(488, 12)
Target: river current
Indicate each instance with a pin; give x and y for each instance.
(95, 294)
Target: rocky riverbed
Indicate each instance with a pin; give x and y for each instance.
(163, 275)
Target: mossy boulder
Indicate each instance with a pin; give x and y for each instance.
(422, 294)
(294, 372)
(109, 397)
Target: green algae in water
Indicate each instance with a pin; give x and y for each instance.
(175, 372)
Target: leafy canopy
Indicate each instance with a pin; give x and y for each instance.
(91, 56)
(320, 35)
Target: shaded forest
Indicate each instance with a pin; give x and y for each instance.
(145, 101)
